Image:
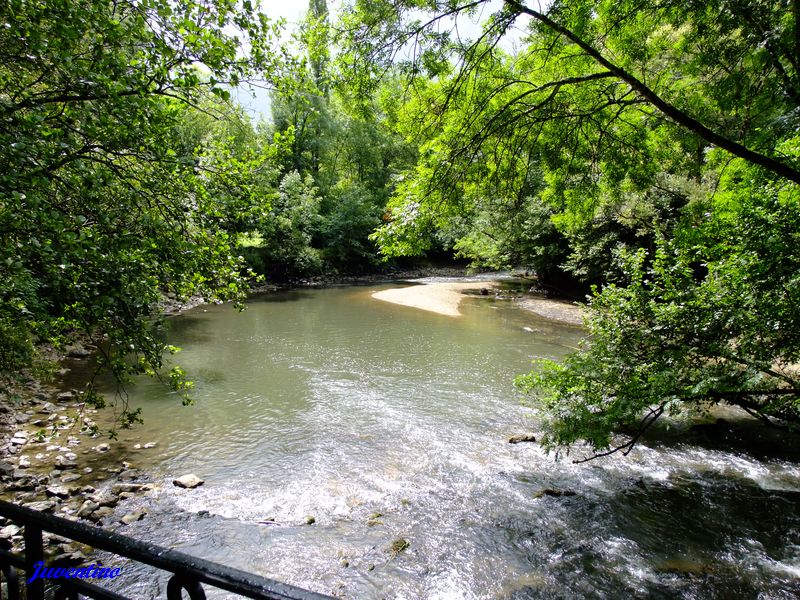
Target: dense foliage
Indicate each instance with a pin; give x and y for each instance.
(337, 158)
(647, 148)
(111, 166)
(646, 151)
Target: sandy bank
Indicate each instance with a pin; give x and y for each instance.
(444, 298)
(441, 298)
(555, 310)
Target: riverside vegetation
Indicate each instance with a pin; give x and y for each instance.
(646, 153)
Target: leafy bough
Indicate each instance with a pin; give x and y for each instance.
(697, 325)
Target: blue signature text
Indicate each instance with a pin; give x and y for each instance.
(91, 572)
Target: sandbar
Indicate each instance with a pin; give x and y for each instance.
(442, 298)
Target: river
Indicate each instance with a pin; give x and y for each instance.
(389, 425)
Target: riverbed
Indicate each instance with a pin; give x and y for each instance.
(359, 448)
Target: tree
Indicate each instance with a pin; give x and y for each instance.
(730, 52)
(673, 338)
(289, 227)
(326, 131)
(650, 130)
(108, 187)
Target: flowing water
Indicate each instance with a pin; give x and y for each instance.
(388, 425)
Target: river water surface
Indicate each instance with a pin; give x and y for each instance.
(388, 425)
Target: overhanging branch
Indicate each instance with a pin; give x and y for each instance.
(672, 112)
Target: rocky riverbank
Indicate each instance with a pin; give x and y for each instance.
(52, 459)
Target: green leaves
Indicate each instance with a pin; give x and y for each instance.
(714, 322)
(603, 147)
(117, 184)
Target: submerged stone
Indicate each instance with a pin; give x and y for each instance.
(398, 546)
(523, 437)
(554, 493)
(132, 517)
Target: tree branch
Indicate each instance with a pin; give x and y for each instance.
(650, 418)
(674, 113)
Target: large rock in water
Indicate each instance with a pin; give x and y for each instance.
(189, 482)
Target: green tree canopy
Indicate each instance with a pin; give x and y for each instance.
(659, 140)
(111, 171)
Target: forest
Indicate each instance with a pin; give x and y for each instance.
(642, 155)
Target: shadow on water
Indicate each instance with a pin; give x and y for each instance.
(736, 433)
(290, 295)
(689, 536)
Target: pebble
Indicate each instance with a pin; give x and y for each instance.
(9, 531)
(523, 437)
(87, 508)
(58, 491)
(78, 352)
(129, 474)
(64, 462)
(189, 481)
(137, 515)
(119, 488)
(72, 559)
(20, 474)
(104, 498)
(64, 397)
(103, 512)
(41, 505)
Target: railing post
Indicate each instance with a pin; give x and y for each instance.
(34, 553)
(12, 582)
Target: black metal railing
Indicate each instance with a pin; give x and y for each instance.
(188, 573)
